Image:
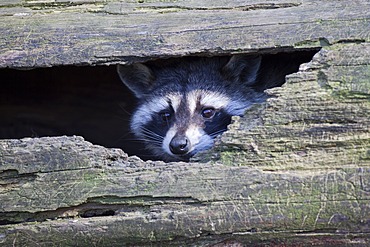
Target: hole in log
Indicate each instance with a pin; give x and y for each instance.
(93, 102)
(97, 213)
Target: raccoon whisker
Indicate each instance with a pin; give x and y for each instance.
(139, 140)
(122, 118)
(152, 135)
(123, 137)
(146, 130)
(216, 133)
(124, 110)
(217, 129)
(151, 140)
(154, 144)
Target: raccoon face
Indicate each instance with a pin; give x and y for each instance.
(176, 126)
(184, 106)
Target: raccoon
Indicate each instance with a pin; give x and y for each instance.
(184, 104)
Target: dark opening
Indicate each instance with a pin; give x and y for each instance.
(88, 101)
(97, 213)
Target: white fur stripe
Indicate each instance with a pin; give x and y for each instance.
(194, 134)
(214, 99)
(167, 139)
(207, 99)
(144, 113)
(175, 100)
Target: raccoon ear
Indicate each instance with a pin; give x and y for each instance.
(241, 68)
(137, 77)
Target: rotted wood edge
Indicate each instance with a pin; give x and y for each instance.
(89, 194)
(68, 192)
(44, 34)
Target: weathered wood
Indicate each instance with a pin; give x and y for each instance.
(295, 170)
(319, 118)
(72, 181)
(47, 33)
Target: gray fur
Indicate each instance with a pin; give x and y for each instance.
(137, 77)
(163, 85)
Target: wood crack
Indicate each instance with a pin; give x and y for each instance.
(260, 6)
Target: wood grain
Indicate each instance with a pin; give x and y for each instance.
(49, 33)
(294, 171)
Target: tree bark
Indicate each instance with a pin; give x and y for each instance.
(294, 171)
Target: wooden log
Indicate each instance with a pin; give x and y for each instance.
(320, 117)
(44, 33)
(293, 171)
(74, 193)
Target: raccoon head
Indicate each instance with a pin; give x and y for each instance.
(184, 105)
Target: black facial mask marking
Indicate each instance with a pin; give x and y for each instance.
(217, 124)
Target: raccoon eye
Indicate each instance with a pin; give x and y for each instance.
(165, 116)
(208, 112)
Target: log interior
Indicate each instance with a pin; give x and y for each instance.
(88, 101)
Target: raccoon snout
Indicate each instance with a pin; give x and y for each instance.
(180, 144)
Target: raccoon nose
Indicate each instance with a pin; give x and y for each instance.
(179, 145)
